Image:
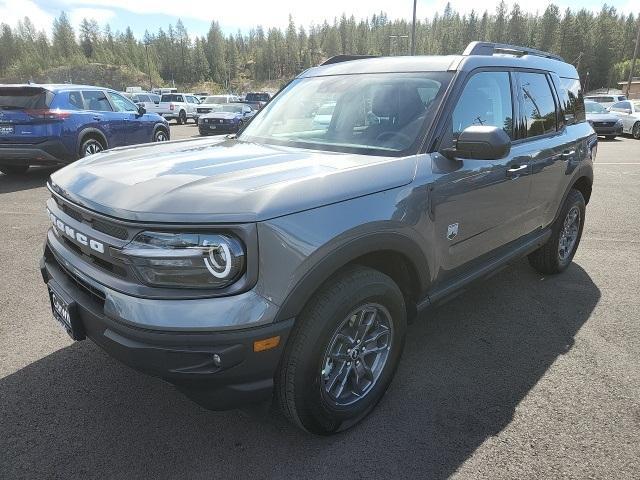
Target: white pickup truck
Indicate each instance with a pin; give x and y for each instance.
(178, 106)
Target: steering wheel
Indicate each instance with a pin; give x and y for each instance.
(389, 134)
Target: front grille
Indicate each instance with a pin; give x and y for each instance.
(97, 261)
(82, 285)
(110, 229)
(604, 124)
(103, 226)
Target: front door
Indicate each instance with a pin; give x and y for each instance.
(135, 129)
(478, 205)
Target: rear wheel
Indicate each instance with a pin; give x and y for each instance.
(556, 255)
(343, 352)
(636, 131)
(90, 146)
(182, 118)
(14, 169)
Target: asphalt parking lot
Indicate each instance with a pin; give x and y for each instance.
(522, 376)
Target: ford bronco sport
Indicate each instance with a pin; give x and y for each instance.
(287, 260)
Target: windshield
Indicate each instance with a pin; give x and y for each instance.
(231, 108)
(379, 114)
(593, 107)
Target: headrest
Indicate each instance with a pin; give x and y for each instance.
(385, 102)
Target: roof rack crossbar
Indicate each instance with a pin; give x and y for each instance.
(345, 58)
(491, 48)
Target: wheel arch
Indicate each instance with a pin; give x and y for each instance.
(394, 254)
(91, 133)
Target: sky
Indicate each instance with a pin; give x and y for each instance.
(143, 15)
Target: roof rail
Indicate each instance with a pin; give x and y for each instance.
(344, 58)
(490, 48)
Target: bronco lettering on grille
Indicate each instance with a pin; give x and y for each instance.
(62, 228)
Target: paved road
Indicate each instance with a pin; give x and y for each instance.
(523, 376)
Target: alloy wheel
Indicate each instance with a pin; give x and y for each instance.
(636, 131)
(569, 233)
(92, 147)
(356, 354)
(161, 136)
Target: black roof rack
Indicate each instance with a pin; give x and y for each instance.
(345, 58)
(490, 48)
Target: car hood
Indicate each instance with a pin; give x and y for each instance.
(602, 117)
(212, 180)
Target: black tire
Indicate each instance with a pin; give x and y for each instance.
(300, 389)
(14, 169)
(160, 135)
(548, 259)
(610, 137)
(182, 118)
(636, 131)
(90, 146)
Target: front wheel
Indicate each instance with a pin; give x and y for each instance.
(556, 255)
(636, 131)
(343, 352)
(160, 136)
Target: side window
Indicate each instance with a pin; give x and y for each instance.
(485, 100)
(178, 98)
(122, 104)
(539, 108)
(75, 100)
(619, 107)
(97, 100)
(572, 101)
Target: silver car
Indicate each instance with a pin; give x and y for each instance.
(629, 112)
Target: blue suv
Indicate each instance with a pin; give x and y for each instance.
(58, 124)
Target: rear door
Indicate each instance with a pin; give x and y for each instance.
(25, 117)
(551, 146)
(103, 117)
(478, 204)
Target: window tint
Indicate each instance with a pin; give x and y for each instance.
(620, 106)
(572, 101)
(539, 108)
(154, 98)
(122, 104)
(75, 100)
(24, 97)
(486, 100)
(97, 100)
(143, 98)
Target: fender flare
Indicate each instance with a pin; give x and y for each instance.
(94, 131)
(327, 263)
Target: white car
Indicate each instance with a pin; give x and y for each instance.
(209, 103)
(629, 112)
(605, 100)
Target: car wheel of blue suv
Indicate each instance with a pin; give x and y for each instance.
(160, 136)
(90, 146)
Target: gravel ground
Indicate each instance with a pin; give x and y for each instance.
(522, 376)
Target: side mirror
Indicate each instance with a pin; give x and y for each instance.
(479, 142)
(141, 110)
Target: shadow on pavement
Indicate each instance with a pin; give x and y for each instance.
(34, 178)
(78, 414)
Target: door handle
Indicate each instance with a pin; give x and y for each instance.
(516, 170)
(566, 154)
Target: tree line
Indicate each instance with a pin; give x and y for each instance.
(599, 44)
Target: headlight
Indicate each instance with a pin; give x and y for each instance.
(618, 123)
(186, 260)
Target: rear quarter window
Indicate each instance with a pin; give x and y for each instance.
(572, 101)
(538, 105)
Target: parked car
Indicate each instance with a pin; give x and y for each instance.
(287, 260)
(605, 100)
(57, 124)
(150, 101)
(628, 111)
(179, 107)
(228, 118)
(201, 96)
(602, 121)
(323, 115)
(257, 100)
(209, 103)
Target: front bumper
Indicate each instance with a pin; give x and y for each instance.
(50, 152)
(205, 128)
(184, 358)
(613, 130)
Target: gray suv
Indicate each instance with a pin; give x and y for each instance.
(286, 261)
